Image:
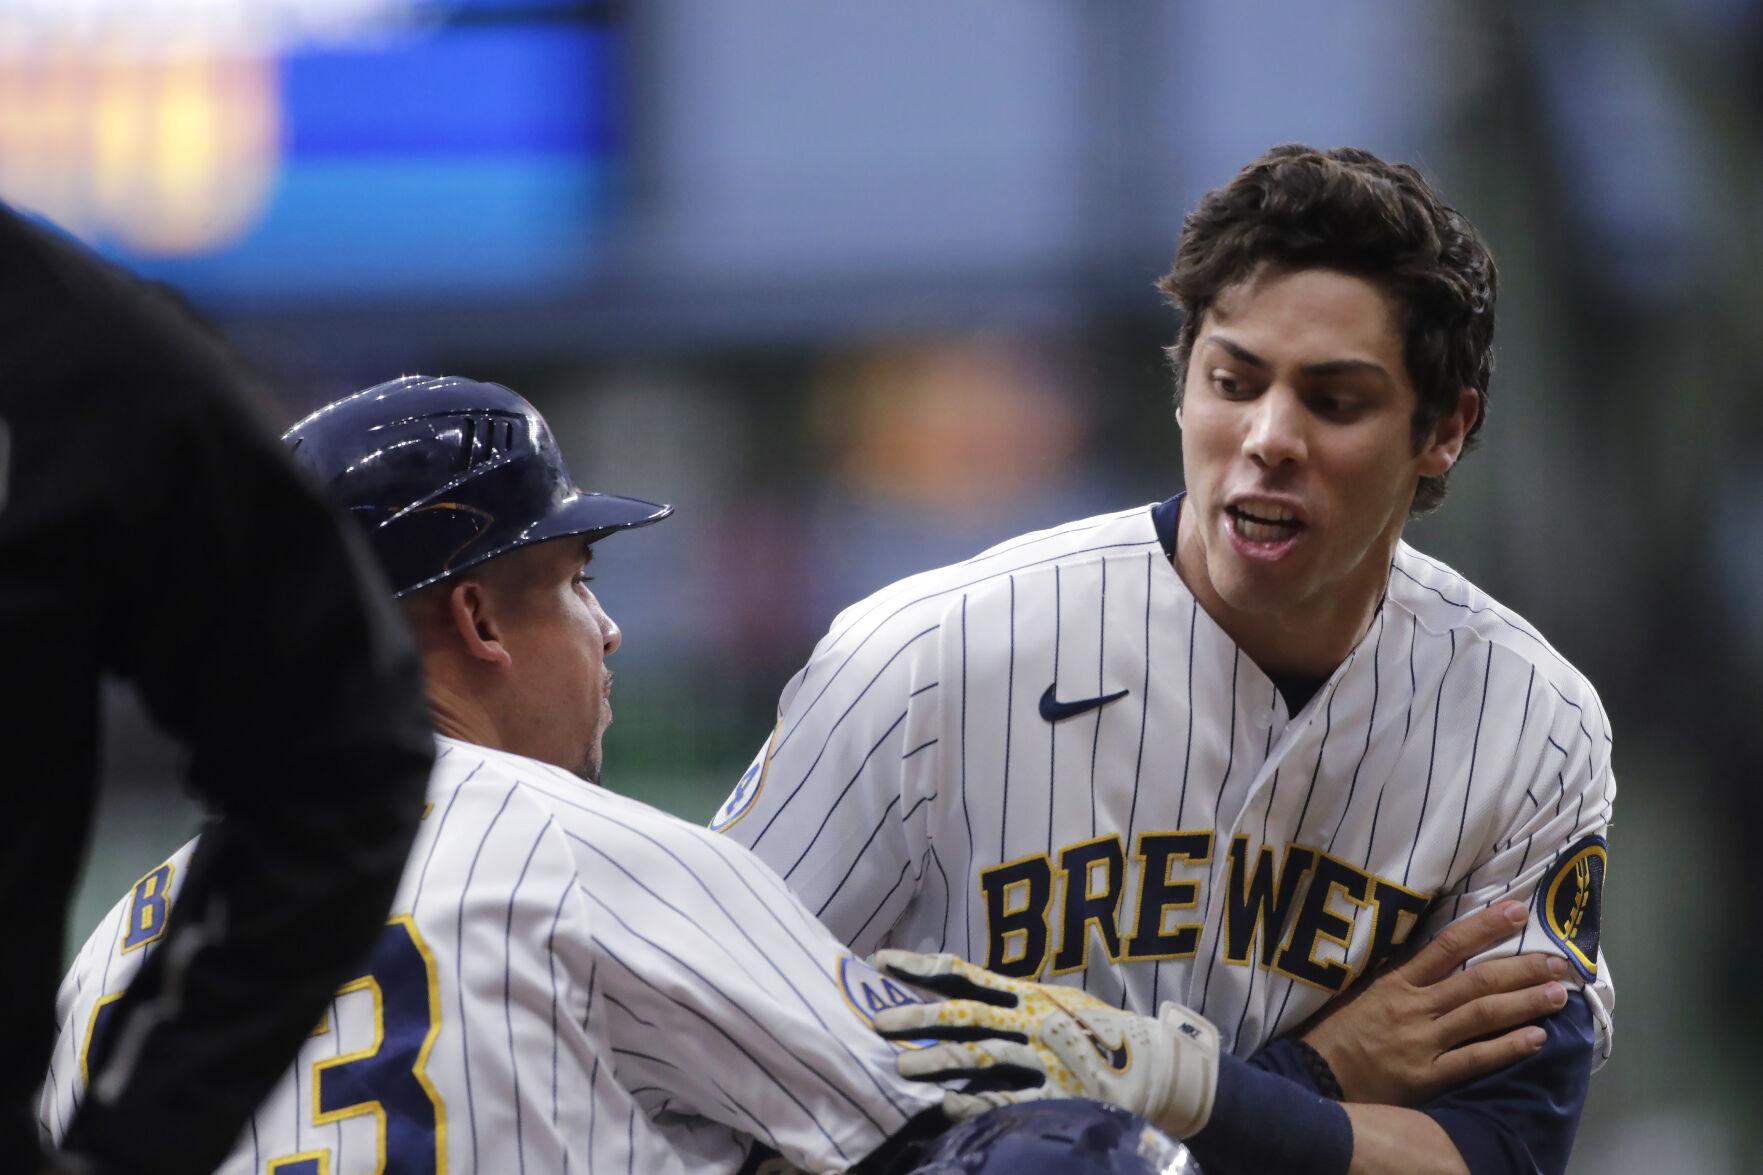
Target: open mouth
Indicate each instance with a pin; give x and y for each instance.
(1264, 525)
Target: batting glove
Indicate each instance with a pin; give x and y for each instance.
(1015, 1041)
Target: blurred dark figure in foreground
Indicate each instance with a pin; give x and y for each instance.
(152, 527)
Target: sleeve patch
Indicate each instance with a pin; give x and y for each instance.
(1569, 902)
(149, 907)
(867, 991)
(746, 793)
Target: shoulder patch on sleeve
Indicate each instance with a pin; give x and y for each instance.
(747, 789)
(1570, 900)
(867, 991)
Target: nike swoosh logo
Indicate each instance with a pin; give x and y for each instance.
(1053, 710)
(1119, 1056)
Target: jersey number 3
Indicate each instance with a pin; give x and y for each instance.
(387, 1079)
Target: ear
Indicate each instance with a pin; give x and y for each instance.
(472, 614)
(1450, 434)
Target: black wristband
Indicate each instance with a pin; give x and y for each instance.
(1318, 1070)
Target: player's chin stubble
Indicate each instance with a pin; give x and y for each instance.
(589, 767)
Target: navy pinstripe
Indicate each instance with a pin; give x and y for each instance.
(738, 926)
(715, 1026)
(810, 772)
(459, 970)
(508, 991)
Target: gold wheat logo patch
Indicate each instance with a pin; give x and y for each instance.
(1569, 902)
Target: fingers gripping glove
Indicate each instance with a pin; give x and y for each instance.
(1013, 1041)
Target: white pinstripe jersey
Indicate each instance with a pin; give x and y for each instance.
(572, 981)
(1188, 839)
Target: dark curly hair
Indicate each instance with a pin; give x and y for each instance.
(1299, 208)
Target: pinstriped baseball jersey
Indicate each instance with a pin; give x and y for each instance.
(1051, 760)
(570, 981)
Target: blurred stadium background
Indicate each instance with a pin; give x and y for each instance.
(863, 288)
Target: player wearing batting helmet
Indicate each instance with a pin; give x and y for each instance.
(569, 979)
(1214, 759)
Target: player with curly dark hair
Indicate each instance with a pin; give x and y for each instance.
(1346, 210)
(1223, 756)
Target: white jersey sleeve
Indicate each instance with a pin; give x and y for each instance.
(835, 799)
(1553, 850)
(104, 967)
(570, 980)
(721, 996)
(873, 743)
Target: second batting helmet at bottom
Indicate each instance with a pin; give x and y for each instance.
(1057, 1137)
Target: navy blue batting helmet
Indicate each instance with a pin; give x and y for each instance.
(444, 473)
(1065, 1136)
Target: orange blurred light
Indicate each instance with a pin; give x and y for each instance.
(957, 425)
(172, 154)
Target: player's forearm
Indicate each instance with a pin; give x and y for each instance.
(1389, 1140)
(1263, 1121)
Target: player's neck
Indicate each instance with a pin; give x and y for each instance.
(1304, 642)
(457, 715)
(1311, 637)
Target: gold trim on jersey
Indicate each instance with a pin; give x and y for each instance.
(1186, 934)
(91, 1030)
(1247, 896)
(741, 801)
(157, 895)
(1403, 903)
(1089, 917)
(1280, 908)
(1028, 963)
(896, 995)
(418, 1068)
(1570, 902)
(370, 985)
(1315, 922)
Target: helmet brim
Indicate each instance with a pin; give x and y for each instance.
(593, 516)
(598, 515)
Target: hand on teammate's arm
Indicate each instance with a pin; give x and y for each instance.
(1012, 1040)
(1405, 1036)
(1428, 1025)
(1465, 1087)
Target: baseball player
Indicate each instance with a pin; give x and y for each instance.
(1235, 750)
(569, 980)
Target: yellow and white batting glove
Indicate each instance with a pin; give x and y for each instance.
(1013, 1041)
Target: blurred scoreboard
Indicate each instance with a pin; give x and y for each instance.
(421, 149)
